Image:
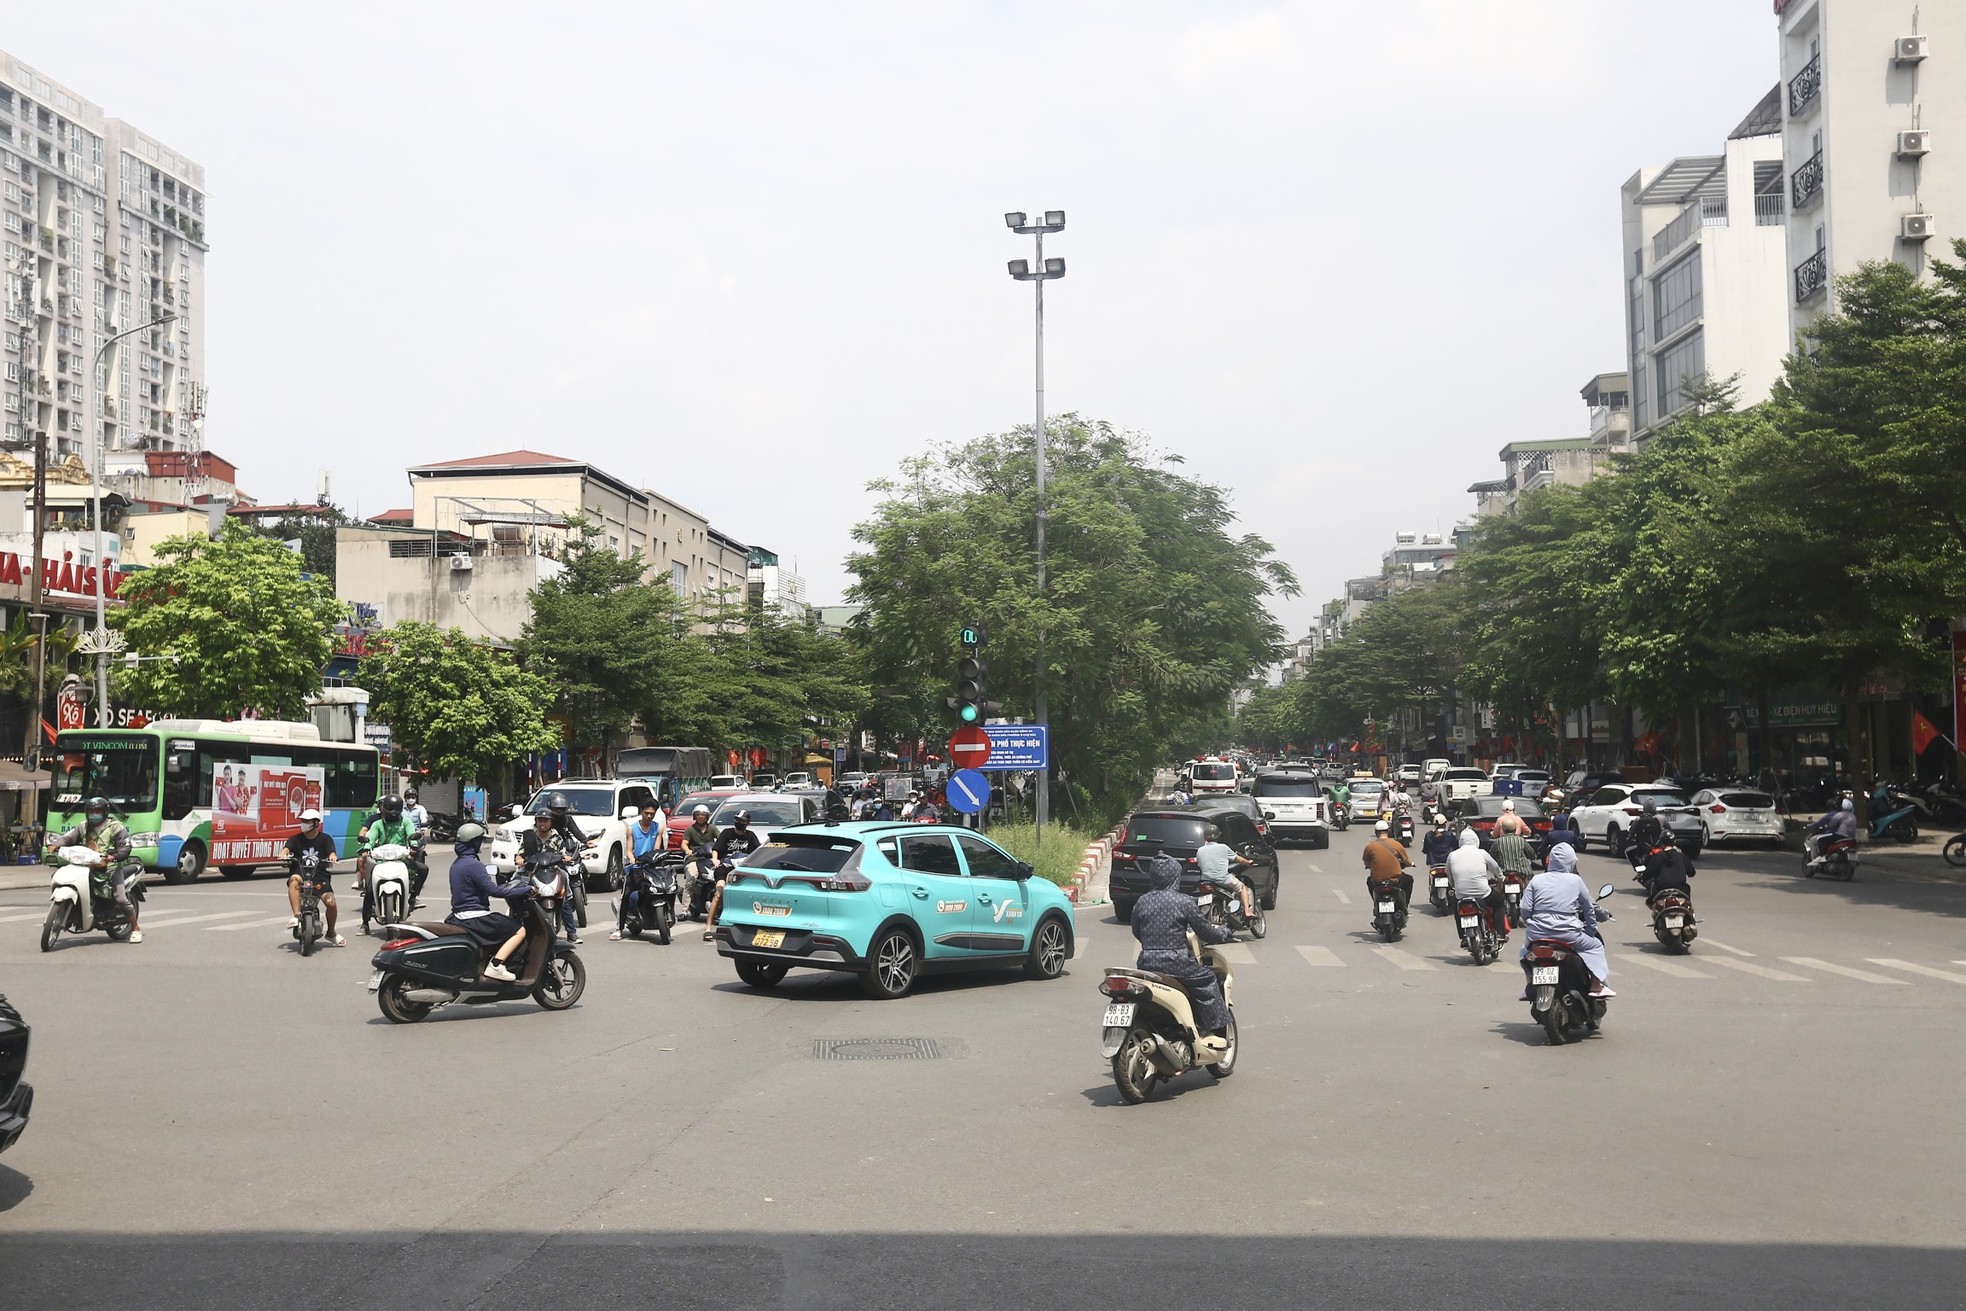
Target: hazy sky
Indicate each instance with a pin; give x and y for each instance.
(751, 255)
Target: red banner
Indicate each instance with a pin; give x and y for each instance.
(1923, 733)
(256, 808)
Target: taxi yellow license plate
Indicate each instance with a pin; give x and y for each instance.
(768, 938)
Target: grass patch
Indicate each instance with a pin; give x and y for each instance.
(1058, 860)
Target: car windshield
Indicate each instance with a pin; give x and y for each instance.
(1367, 785)
(1747, 800)
(801, 857)
(1216, 773)
(1287, 787)
(122, 770)
(581, 801)
(776, 810)
(1167, 830)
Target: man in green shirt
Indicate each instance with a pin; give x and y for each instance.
(386, 825)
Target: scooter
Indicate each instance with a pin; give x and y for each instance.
(703, 876)
(390, 877)
(1341, 818)
(80, 899)
(1149, 1029)
(1839, 857)
(1403, 826)
(1560, 987)
(434, 964)
(1478, 936)
(651, 889)
(313, 881)
(1388, 911)
(1512, 886)
(1438, 887)
(1895, 818)
(1672, 921)
(1221, 906)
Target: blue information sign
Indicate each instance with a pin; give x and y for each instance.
(1018, 747)
(968, 791)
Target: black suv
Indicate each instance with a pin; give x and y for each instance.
(16, 1097)
(1180, 833)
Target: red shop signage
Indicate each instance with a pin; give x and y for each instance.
(62, 575)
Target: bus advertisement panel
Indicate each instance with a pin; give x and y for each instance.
(256, 808)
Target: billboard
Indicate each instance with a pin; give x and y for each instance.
(256, 808)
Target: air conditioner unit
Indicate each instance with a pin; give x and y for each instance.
(460, 563)
(1917, 227)
(1913, 144)
(1908, 49)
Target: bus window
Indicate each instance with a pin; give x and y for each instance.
(121, 770)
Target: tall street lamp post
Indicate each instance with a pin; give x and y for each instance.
(1038, 272)
(100, 642)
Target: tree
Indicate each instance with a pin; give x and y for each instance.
(240, 625)
(458, 708)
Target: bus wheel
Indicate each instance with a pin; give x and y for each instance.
(190, 864)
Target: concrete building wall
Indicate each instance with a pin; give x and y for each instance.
(491, 599)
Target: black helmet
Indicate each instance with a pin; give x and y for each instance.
(409, 794)
(392, 807)
(741, 818)
(1651, 807)
(96, 807)
(557, 803)
(1213, 833)
(470, 835)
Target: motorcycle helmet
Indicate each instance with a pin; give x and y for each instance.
(96, 808)
(742, 819)
(1214, 834)
(1848, 805)
(409, 796)
(470, 835)
(1382, 827)
(392, 807)
(701, 812)
(1650, 807)
(557, 803)
(1440, 821)
(310, 816)
(1508, 805)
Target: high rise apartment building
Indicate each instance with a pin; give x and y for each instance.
(104, 230)
(1874, 137)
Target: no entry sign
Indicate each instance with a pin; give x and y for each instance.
(969, 747)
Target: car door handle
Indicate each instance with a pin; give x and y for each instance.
(983, 897)
(922, 893)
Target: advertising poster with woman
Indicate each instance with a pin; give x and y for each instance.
(256, 808)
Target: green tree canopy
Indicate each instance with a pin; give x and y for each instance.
(458, 708)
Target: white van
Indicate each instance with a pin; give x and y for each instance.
(1213, 776)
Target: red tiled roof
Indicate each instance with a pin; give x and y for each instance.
(507, 459)
(393, 516)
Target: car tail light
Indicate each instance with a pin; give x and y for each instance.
(1717, 809)
(1634, 810)
(395, 944)
(1193, 861)
(844, 882)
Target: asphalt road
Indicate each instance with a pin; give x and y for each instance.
(1768, 1123)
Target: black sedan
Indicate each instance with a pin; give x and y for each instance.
(16, 1096)
(1180, 833)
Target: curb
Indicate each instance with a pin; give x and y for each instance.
(1088, 887)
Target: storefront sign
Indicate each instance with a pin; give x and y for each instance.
(63, 575)
(1807, 709)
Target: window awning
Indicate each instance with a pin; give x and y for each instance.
(1693, 177)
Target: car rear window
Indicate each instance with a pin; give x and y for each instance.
(1750, 800)
(1489, 806)
(1368, 785)
(1659, 798)
(1533, 775)
(1287, 787)
(1465, 775)
(1166, 830)
(1214, 773)
(801, 856)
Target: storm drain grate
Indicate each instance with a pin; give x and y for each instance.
(876, 1049)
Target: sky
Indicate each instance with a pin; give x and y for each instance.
(752, 255)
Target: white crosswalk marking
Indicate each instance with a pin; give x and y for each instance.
(1322, 957)
(1724, 947)
(40, 914)
(1863, 976)
(1405, 960)
(1926, 970)
(249, 924)
(1236, 953)
(1673, 968)
(1340, 894)
(1781, 976)
(196, 919)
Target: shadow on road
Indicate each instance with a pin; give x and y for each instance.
(14, 1188)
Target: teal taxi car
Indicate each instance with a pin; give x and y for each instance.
(889, 902)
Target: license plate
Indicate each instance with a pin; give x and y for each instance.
(1203, 900)
(1467, 921)
(1543, 974)
(1440, 880)
(1119, 1015)
(768, 938)
(375, 981)
(1675, 921)
(1385, 908)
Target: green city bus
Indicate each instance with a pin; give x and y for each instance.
(198, 792)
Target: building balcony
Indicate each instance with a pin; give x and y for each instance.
(1806, 88)
(1706, 212)
(1806, 184)
(1812, 277)
(1769, 211)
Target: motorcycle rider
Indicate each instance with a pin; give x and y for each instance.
(472, 890)
(733, 844)
(1162, 919)
(1666, 870)
(1648, 830)
(1217, 862)
(1558, 907)
(645, 839)
(419, 864)
(1386, 861)
(548, 835)
(110, 840)
(1512, 851)
(311, 838)
(385, 825)
(1839, 825)
(1477, 877)
(1439, 843)
(1510, 822)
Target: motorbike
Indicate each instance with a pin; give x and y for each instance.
(1403, 828)
(313, 881)
(704, 871)
(434, 964)
(1512, 886)
(1560, 988)
(390, 880)
(1218, 906)
(1955, 850)
(1439, 890)
(1149, 1031)
(80, 898)
(1477, 928)
(1388, 911)
(653, 884)
(1672, 921)
(1893, 817)
(1340, 816)
(1839, 857)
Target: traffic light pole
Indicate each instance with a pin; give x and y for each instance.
(1037, 691)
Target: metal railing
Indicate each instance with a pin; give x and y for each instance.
(1811, 277)
(1806, 186)
(1806, 87)
(1769, 211)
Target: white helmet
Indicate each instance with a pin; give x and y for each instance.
(1509, 804)
(1382, 827)
(701, 810)
(310, 816)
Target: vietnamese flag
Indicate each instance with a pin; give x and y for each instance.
(1923, 733)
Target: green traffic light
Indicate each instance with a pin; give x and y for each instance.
(969, 712)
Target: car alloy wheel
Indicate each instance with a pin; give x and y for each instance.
(891, 966)
(1048, 948)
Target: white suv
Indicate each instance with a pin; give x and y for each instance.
(1294, 806)
(601, 808)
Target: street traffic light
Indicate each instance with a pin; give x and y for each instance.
(972, 702)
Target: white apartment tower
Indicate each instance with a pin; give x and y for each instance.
(1705, 271)
(1874, 135)
(104, 230)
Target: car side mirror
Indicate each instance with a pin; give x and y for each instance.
(631, 812)
(1269, 814)
(1604, 892)
(1023, 870)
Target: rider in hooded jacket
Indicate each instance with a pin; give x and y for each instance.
(1162, 919)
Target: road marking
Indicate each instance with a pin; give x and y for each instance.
(198, 919)
(1315, 869)
(1724, 947)
(1673, 968)
(249, 924)
(31, 915)
(1405, 960)
(1340, 894)
(1322, 957)
(1782, 976)
(1236, 953)
(1926, 970)
(1864, 976)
